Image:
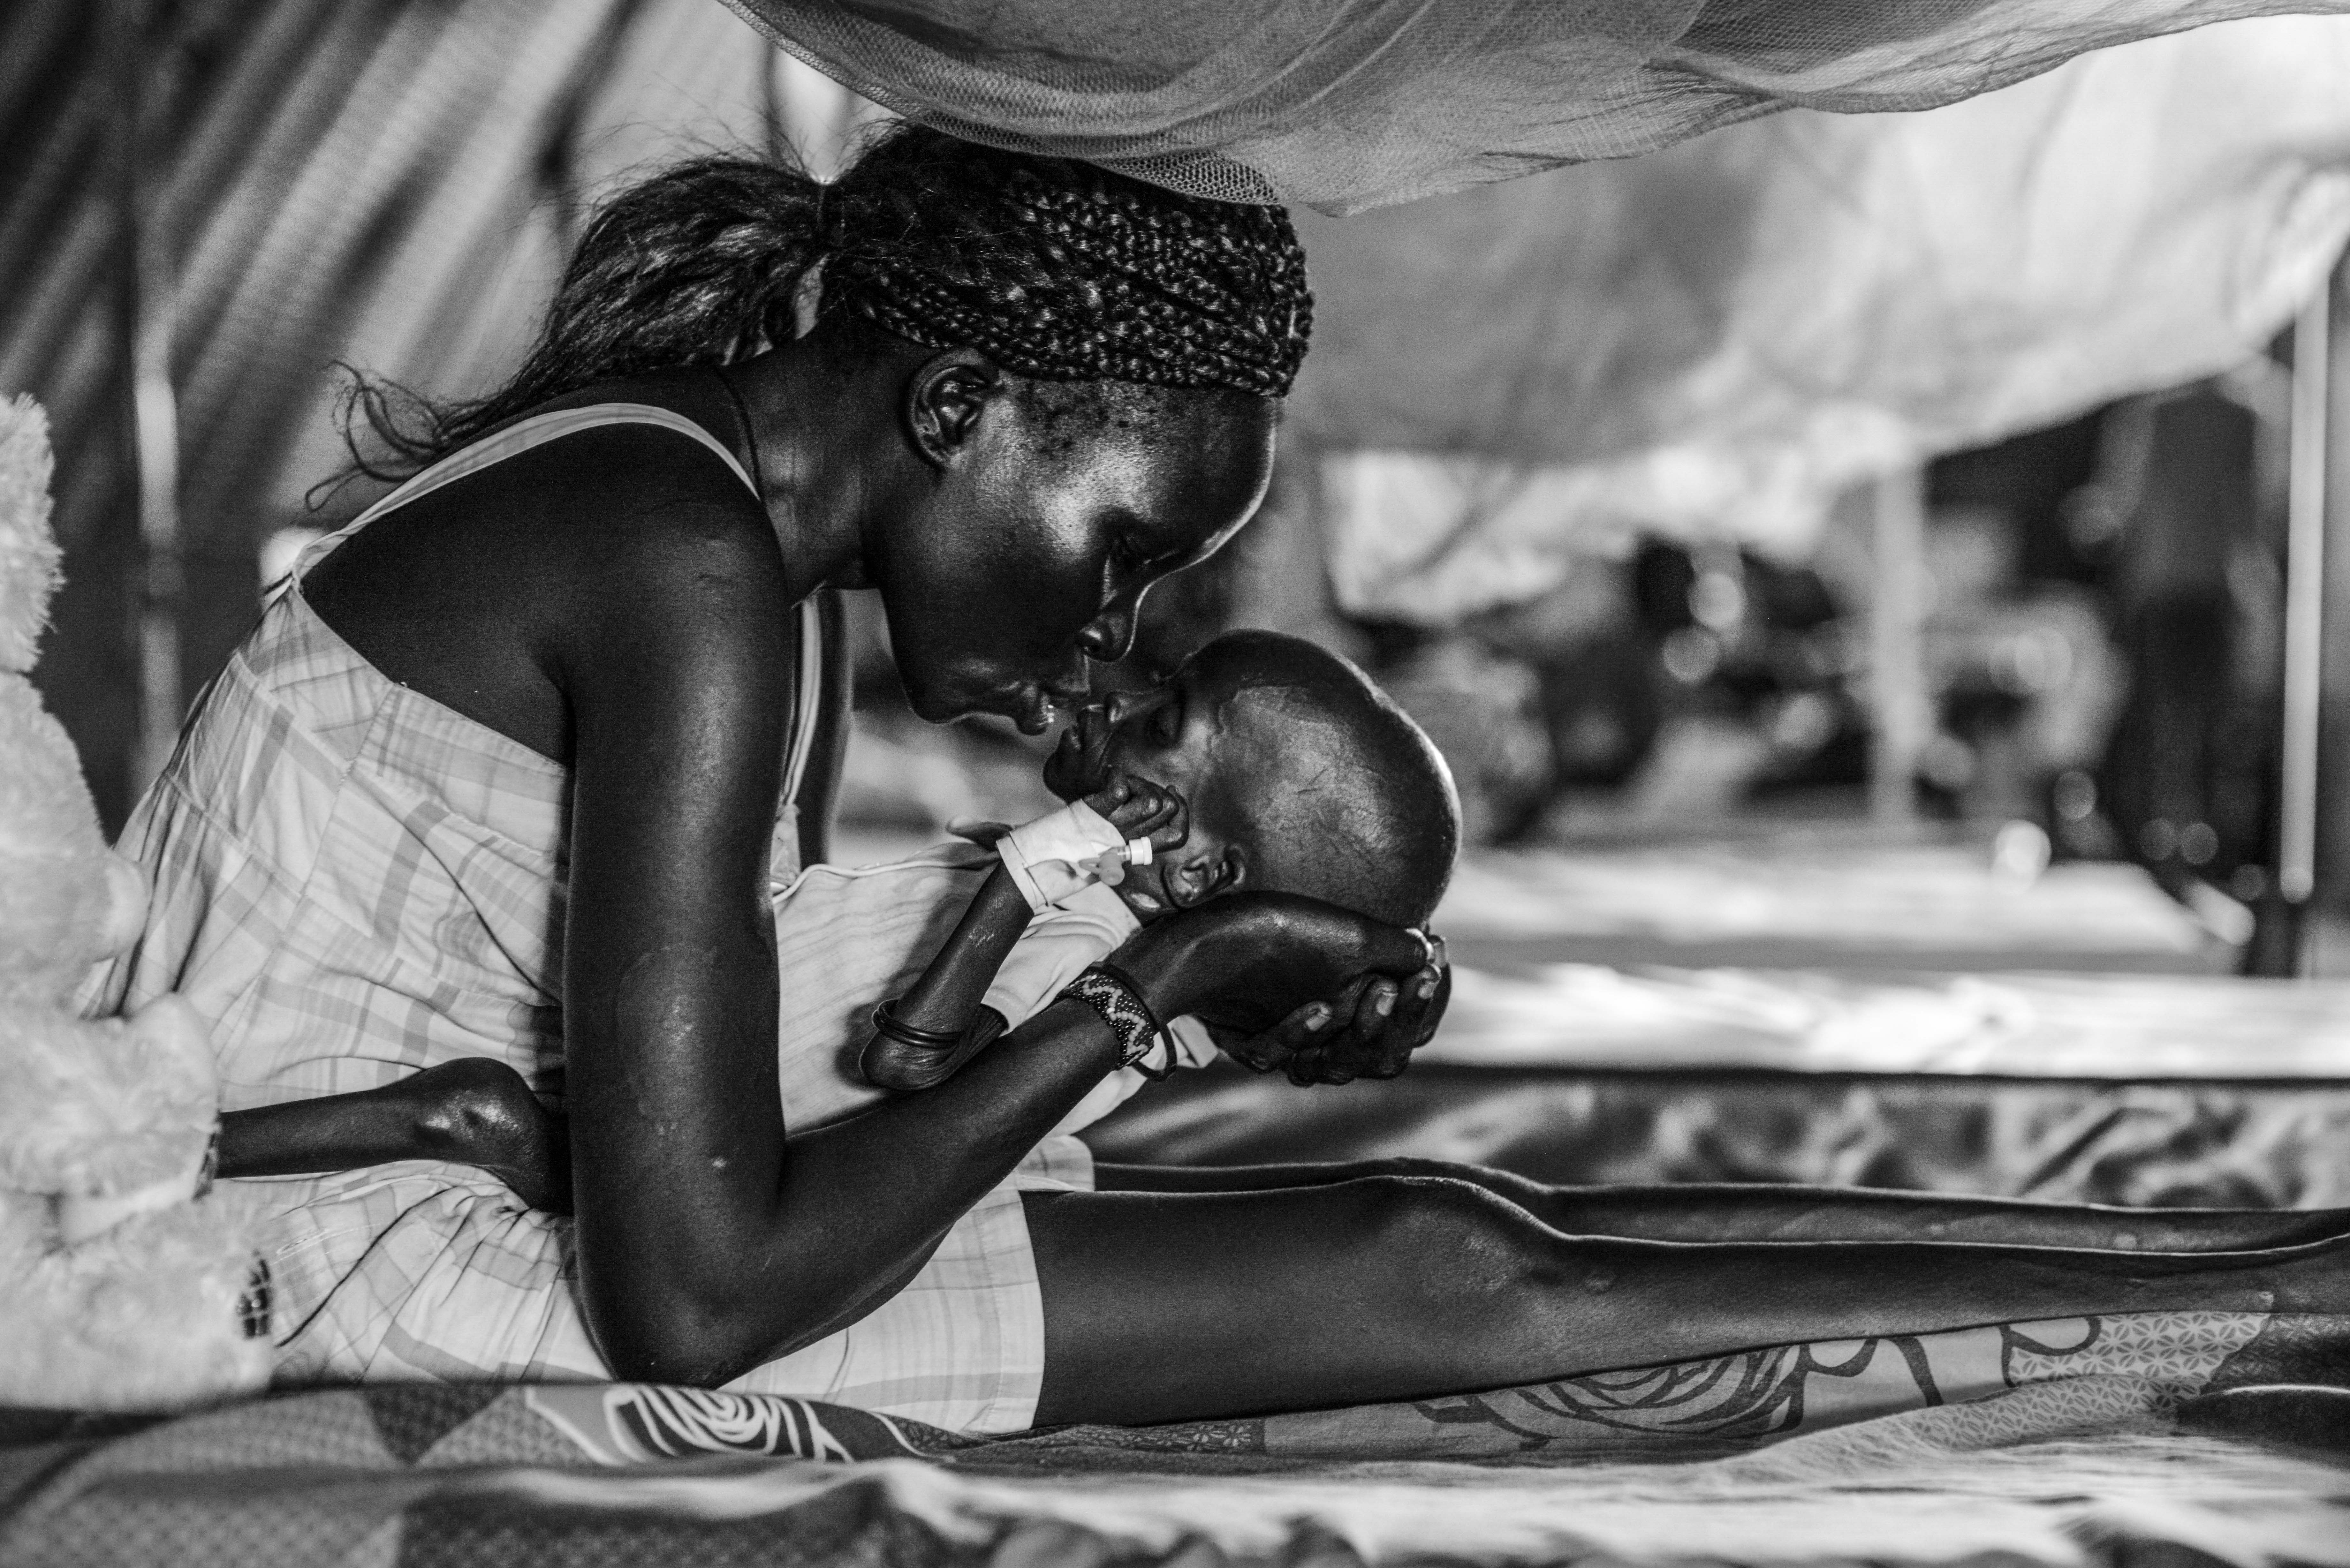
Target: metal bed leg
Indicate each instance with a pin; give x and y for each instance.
(2317, 581)
(1901, 716)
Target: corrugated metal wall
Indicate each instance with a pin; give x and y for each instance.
(386, 181)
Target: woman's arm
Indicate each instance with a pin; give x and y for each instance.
(707, 1240)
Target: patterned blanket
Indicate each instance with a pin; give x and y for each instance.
(2209, 1143)
(2055, 1443)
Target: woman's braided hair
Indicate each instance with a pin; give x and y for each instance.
(1055, 269)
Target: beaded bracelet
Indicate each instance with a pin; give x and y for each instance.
(1112, 993)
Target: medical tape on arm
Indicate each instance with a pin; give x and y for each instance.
(1064, 852)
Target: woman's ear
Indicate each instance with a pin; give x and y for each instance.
(1192, 879)
(946, 397)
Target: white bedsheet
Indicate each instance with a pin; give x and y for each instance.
(1834, 890)
(2028, 1026)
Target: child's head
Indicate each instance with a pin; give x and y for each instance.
(1301, 775)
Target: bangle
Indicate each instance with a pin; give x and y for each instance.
(887, 1023)
(1111, 992)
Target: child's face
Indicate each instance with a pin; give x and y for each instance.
(1192, 733)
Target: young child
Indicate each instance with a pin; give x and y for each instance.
(1263, 763)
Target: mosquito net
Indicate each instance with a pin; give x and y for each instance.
(1713, 342)
(1348, 104)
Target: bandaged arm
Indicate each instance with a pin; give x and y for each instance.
(1060, 854)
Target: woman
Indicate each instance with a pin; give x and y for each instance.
(497, 777)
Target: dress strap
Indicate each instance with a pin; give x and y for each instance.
(538, 431)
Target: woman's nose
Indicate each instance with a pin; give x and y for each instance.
(1110, 636)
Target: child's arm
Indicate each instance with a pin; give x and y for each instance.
(920, 1038)
(475, 1111)
(942, 1021)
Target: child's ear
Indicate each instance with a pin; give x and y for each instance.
(1196, 879)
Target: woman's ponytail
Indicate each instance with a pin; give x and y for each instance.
(700, 264)
(1058, 270)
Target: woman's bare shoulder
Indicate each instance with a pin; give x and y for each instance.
(646, 494)
(496, 594)
(657, 547)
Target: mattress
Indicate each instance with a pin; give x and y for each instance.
(1825, 898)
(1573, 1016)
(2095, 1056)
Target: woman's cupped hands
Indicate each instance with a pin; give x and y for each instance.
(1282, 982)
(1371, 993)
(1369, 1029)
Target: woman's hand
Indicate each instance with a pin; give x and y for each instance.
(1369, 1030)
(1243, 962)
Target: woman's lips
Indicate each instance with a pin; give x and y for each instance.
(1028, 708)
(1032, 705)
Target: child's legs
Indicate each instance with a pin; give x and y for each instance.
(1741, 1212)
(1173, 1306)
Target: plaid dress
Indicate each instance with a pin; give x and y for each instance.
(353, 882)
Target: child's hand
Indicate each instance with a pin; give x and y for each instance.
(1141, 809)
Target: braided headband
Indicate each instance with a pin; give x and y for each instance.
(1082, 285)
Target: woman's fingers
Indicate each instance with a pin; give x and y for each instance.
(1281, 1044)
(1369, 1030)
(1420, 1008)
(1395, 950)
(1321, 1038)
(1411, 1025)
(1392, 1019)
(1296, 1041)
(1357, 1046)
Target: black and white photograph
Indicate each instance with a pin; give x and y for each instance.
(1175, 784)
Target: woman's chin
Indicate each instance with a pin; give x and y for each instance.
(943, 702)
(968, 695)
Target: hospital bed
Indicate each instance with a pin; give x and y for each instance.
(1936, 1026)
